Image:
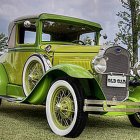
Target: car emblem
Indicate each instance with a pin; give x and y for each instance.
(118, 50)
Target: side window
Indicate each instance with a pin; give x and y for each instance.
(46, 37)
(26, 35)
(29, 37)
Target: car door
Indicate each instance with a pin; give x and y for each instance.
(22, 44)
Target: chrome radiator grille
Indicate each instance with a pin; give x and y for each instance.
(117, 62)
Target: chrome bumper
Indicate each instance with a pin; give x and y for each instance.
(107, 106)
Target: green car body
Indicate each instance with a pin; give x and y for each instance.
(64, 60)
(15, 59)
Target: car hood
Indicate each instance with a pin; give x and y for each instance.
(73, 54)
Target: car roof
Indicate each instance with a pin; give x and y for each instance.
(55, 17)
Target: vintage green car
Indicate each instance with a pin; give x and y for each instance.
(56, 61)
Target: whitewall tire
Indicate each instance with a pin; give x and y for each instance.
(35, 67)
(64, 109)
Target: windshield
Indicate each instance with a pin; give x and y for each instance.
(65, 32)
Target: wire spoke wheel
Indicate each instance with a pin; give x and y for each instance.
(35, 67)
(64, 109)
(33, 75)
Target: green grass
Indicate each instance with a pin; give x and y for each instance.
(25, 122)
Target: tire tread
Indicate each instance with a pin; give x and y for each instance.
(135, 121)
(82, 116)
(0, 101)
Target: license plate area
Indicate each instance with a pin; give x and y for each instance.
(116, 81)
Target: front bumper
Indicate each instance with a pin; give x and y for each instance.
(110, 106)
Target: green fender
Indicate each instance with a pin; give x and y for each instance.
(3, 80)
(72, 70)
(39, 93)
(134, 94)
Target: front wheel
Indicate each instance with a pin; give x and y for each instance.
(64, 109)
(135, 119)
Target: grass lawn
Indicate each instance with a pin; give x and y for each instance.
(24, 122)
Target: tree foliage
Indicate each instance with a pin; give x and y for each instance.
(129, 27)
(3, 40)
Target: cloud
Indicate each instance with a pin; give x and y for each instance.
(101, 11)
(4, 11)
(4, 26)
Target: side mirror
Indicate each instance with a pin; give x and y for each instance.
(27, 24)
(105, 36)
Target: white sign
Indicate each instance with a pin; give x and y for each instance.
(116, 81)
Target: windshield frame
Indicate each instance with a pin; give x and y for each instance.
(97, 32)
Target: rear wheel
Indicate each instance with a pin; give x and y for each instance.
(0, 101)
(135, 119)
(34, 69)
(64, 108)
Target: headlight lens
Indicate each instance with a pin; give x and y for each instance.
(99, 64)
(137, 68)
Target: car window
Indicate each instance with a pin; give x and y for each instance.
(88, 38)
(46, 37)
(66, 32)
(26, 35)
(29, 37)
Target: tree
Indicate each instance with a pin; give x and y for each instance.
(129, 27)
(3, 40)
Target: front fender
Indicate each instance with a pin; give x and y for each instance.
(39, 93)
(134, 94)
(72, 70)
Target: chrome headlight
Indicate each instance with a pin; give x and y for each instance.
(137, 69)
(99, 64)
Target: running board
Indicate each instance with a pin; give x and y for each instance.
(11, 99)
(107, 106)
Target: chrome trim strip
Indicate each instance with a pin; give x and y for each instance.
(114, 73)
(101, 102)
(93, 106)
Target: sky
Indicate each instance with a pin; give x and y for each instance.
(100, 11)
